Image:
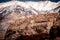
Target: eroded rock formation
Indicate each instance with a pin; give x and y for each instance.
(33, 27)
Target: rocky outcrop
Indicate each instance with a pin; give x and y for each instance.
(35, 27)
(29, 20)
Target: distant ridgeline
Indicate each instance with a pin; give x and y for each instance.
(28, 0)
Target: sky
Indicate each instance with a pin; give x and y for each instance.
(27, 0)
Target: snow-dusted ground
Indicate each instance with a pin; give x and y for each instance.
(35, 7)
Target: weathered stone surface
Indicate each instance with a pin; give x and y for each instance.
(31, 27)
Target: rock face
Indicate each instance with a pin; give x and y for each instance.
(22, 21)
(31, 27)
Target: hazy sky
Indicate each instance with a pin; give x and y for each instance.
(27, 0)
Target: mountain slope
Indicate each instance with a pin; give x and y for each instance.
(28, 7)
(13, 10)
